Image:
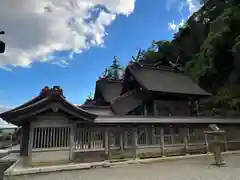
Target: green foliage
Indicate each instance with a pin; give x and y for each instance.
(139, 56)
(215, 62)
(229, 97)
(90, 96)
(114, 71)
(207, 46)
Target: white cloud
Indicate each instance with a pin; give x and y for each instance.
(175, 26)
(36, 29)
(192, 6)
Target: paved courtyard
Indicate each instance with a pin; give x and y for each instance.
(188, 169)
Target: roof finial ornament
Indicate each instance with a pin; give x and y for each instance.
(57, 90)
(46, 91)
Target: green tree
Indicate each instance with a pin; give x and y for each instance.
(114, 71)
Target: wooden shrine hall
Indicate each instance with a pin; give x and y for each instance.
(150, 112)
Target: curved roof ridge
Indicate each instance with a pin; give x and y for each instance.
(25, 107)
(79, 108)
(48, 101)
(149, 66)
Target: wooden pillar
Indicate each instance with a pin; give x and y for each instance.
(103, 137)
(135, 140)
(154, 108)
(145, 110)
(206, 142)
(89, 131)
(30, 144)
(226, 144)
(82, 137)
(146, 136)
(153, 135)
(197, 107)
(121, 140)
(162, 140)
(125, 139)
(107, 143)
(186, 134)
(172, 135)
(72, 134)
(22, 141)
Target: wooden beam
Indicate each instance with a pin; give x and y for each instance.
(186, 134)
(155, 111)
(226, 144)
(135, 140)
(72, 134)
(30, 144)
(67, 110)
(153, 135)
(25, 116)
(172, 135)
(89, 131)
(206, 142)
(146, 135)
(107, 143)
(162, 141)
(125, 139)
(121, 140)
(145, 112)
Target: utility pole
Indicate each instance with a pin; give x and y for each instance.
(2, 44)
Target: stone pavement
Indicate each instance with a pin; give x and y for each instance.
(199, 168)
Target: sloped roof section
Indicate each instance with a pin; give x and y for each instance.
(128, 101)
(163, 80)
(110, 89)
(98, 110)
(49, 99)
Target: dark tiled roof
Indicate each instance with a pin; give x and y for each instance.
(128, 101)
(41, 96)
(109, 89)
(163, 80)
(53, 99)
(155, 119)
(98, 110)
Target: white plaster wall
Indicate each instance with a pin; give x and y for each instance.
(46, 156)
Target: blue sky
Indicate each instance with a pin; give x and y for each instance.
(149, 20)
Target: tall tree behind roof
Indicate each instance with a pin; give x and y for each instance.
(139, 56)
(89, 99)
(114, 71)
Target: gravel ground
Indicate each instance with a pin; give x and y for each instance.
(188, 169)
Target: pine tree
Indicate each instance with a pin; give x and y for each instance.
(114, 71)
(115, 68)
